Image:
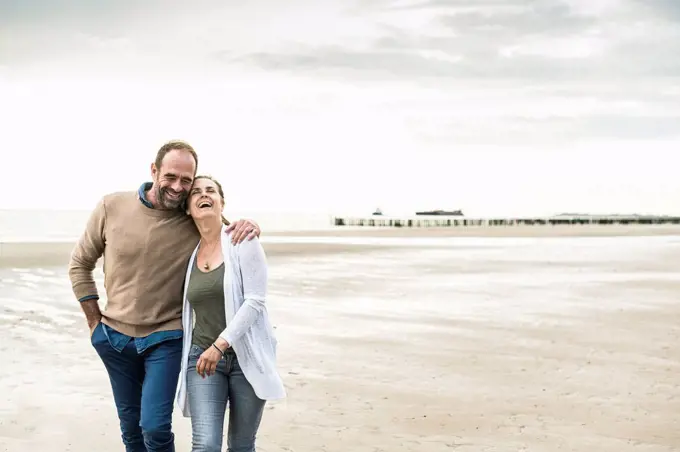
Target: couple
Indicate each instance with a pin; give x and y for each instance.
(185, 318)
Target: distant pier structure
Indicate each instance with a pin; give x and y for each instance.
(459, 221)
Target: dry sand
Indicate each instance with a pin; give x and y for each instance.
(403, 350)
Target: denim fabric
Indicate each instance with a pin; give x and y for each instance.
(119, 340)
(143, 385)
(141, 192)
(208, 403)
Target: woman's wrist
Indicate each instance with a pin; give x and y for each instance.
(218, 349)
(221, 345)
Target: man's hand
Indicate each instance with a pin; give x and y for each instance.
(243, 229)
(93, 326)
(92, 313)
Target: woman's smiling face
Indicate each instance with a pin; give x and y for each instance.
(205, 199)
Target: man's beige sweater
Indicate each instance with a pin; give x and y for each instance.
(146, 252)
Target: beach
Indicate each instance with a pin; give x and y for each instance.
(532, 339)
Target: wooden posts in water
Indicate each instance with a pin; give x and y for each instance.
(447, 222)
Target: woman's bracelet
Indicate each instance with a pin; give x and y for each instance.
(218, 349)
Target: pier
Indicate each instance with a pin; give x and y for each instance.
(458, 221)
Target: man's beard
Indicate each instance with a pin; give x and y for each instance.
(170, 203)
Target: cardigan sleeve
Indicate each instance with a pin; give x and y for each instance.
(252, 263)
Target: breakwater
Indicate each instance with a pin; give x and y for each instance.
(459, 221)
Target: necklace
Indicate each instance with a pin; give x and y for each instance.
(206, 266)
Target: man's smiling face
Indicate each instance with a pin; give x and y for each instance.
(173, 180)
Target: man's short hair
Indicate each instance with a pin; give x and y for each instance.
(178, 145)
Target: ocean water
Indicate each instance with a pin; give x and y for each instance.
(38, 225)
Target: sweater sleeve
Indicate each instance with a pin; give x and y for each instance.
(88, 250)
(253, 265)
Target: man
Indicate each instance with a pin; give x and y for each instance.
(146, 239)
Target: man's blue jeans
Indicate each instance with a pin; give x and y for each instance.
(208, 404)
(144, 387)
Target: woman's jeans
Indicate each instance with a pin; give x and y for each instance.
(208, 403)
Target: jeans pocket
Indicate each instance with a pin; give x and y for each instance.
(93, 337)
(195, 352)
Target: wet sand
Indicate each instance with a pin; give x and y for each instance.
(549, 345)
(57, 252)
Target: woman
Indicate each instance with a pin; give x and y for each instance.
(229, 354)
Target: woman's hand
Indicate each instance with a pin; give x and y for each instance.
(207, 362)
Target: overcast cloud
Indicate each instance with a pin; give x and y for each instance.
(439, 76)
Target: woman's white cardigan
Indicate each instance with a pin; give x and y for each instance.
(248, 331)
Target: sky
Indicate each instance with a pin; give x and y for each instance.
(495, 107)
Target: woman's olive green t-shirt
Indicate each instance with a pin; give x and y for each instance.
(206, 295)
